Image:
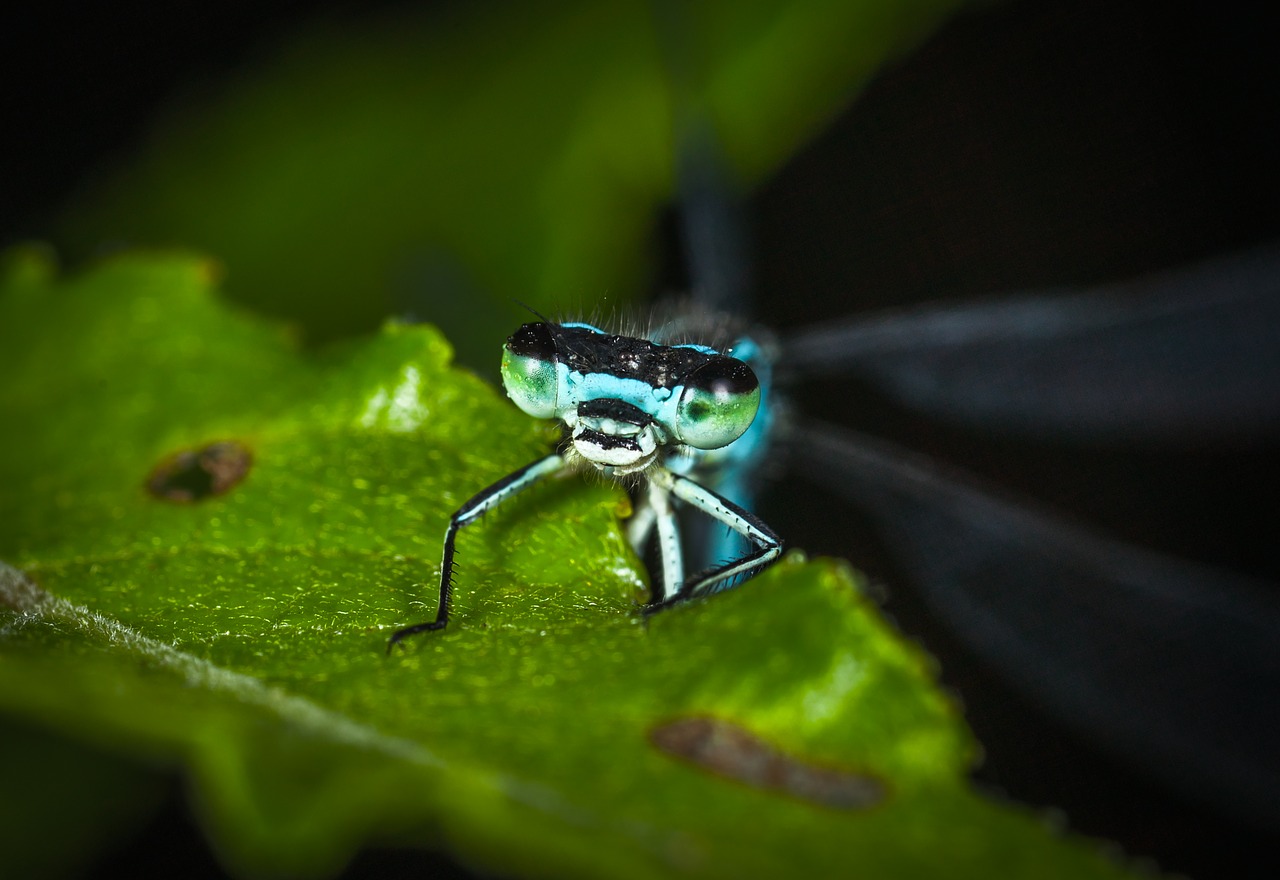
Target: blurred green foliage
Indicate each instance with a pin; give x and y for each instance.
(450, 166)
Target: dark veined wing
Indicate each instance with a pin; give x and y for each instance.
(1181, 356)
(1173, 666)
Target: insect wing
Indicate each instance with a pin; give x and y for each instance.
(1174, 666)
(1187, 355)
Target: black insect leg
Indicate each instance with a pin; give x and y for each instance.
(467, 514)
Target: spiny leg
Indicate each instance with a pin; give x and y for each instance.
(716, 543)
(467, 514)
(768, 546)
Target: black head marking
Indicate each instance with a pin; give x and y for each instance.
(535, 340)
(662, 366)
(612, 408)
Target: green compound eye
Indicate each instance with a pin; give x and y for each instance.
(529, 370)
(718, 404)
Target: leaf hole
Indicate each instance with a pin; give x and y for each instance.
(195, 474)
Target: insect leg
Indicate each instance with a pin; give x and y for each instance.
(768, 546)
(669, 548)
(640, 526)
(467, 514)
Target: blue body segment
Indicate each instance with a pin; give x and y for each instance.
(660, 403)
(733, 471)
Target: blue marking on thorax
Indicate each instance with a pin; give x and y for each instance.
(730, 469)
(731, 464)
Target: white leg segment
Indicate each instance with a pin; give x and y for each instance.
(640, 526)
(668, 541)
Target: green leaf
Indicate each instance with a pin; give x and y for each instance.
(226, 612)
(475, 161)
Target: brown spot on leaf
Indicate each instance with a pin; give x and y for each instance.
(731, 751)
(195, 474)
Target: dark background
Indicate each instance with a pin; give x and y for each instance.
(1026, 145)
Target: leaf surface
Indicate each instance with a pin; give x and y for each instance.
(552, 731)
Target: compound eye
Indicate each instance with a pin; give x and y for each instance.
(529, 370)
(718, 404)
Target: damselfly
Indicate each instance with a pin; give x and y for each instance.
(686, 420)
